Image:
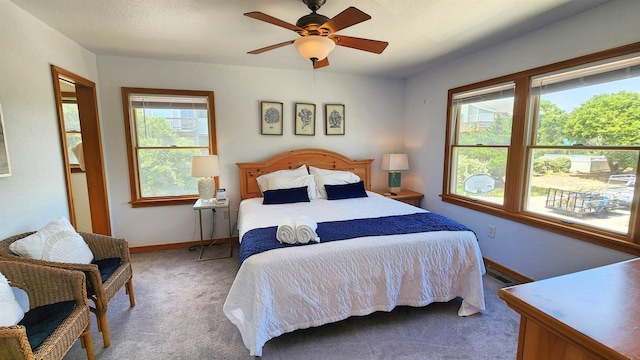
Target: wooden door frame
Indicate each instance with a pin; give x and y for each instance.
(92, 148)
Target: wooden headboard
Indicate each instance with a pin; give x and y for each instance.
(320, 158)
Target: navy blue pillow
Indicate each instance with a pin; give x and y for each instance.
(345, 191)
(285, 196)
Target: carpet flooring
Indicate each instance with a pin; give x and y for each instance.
(178, 315)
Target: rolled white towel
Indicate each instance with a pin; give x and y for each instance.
(306, 230)
(286, 231)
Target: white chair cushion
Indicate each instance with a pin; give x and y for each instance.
(57, 241)
(21, 297)
(10, 311)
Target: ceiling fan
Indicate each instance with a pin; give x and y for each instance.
(318, 33)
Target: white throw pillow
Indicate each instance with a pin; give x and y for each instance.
(10, 311)
(263, 180)
(68, 247)
(21, 297)
(331, 177)
(288, 182)
(57, 241)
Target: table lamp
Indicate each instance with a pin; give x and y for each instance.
(205, 166)
(394, 163)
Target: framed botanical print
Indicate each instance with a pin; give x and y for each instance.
(305, 119)
(270, 118)
(334, 119)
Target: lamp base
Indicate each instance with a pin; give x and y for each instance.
(395, 178)
(206, 189)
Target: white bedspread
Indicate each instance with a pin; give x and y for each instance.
(282, 290)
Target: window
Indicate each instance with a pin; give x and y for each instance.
(165, 128)
(555, 147)
(482, 134)
(584, 149)
(72, 130)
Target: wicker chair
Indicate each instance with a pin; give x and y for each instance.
(46, 285)
(100, 292)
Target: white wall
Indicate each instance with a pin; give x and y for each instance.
(374, 109)
(529, 251)
(35, 193)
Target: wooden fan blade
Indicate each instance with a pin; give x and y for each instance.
(258, 51)
(369, 45)
(271, 20)
(321, 63)
(348, 17)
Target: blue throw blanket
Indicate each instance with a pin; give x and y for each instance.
(262, 239)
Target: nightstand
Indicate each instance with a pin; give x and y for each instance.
(199, 206)
(406, 196)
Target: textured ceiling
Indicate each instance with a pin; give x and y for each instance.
(420, 32)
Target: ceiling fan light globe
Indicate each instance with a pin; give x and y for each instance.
(314, 46)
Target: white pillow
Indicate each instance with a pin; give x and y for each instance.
(288, 182)
(21, 297)
(10, 311)
(57, 241)
(331, 177)
(263, 180)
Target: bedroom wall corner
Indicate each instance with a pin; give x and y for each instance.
(35, 193)
(529, 251)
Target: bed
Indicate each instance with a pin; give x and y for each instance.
(298, 286)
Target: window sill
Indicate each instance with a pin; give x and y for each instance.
(601, 238)
(173, 201)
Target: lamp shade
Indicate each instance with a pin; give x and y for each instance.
(205, 165)
(314, 47)
(395, 162)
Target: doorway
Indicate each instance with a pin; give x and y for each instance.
(82, 151)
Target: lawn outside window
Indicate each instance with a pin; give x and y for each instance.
(554, 147)
(164, 129)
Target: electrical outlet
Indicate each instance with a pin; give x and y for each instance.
(226, 214)
(491, 231)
